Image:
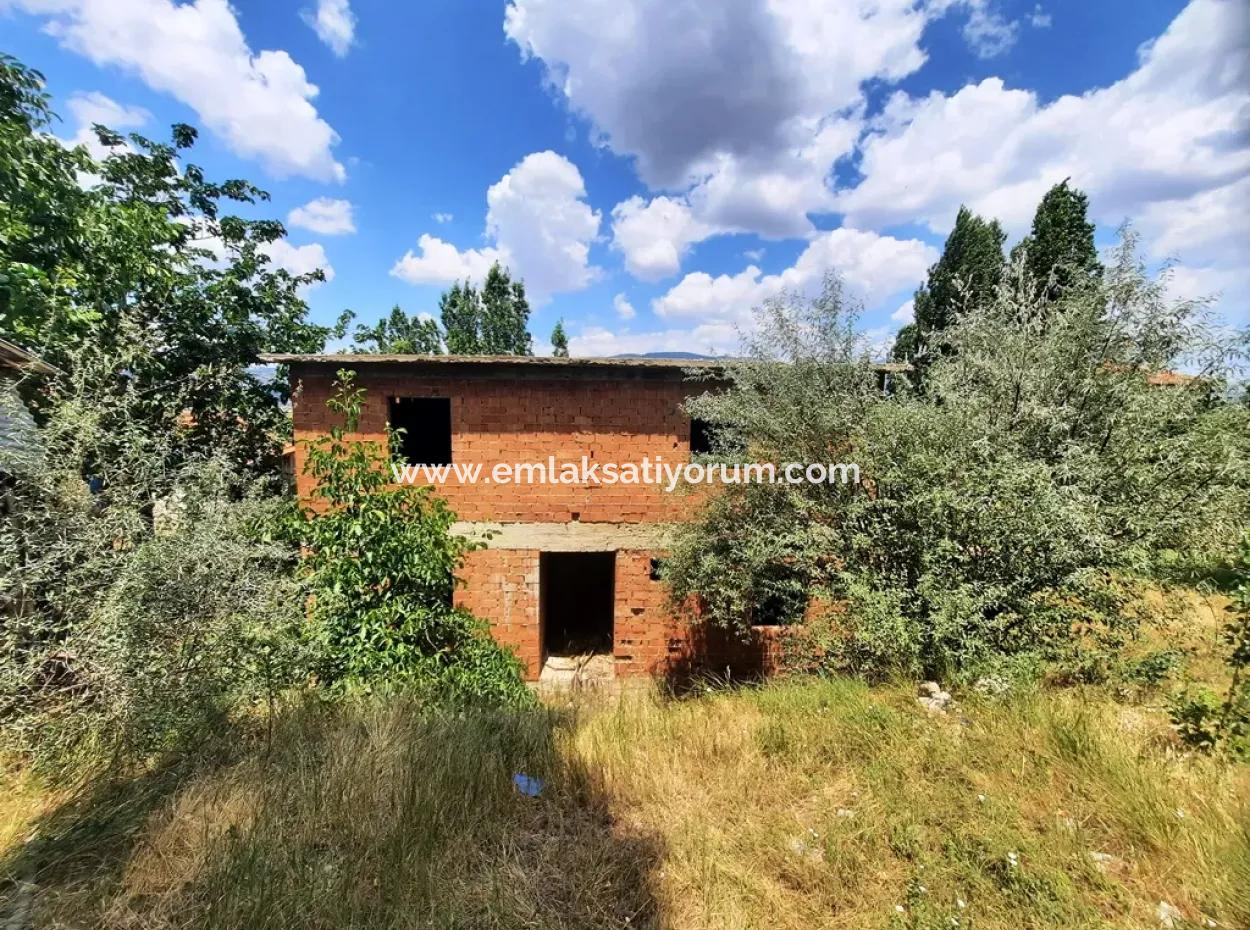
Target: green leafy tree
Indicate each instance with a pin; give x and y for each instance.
(505, 314)
(400, 334)
(380, 565)
(145, 267)
(995, 510)
(1059, 248)
(559, 341)
(969, 269)
(461, 310)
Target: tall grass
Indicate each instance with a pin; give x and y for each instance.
(798, 804)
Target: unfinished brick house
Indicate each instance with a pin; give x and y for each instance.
(571, 570)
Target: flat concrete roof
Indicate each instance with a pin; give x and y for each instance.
(521, 361)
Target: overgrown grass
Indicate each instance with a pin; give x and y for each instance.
(796, 804)
(793, 805)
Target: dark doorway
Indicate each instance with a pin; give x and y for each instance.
(576, 600)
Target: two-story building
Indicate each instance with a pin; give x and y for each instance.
(570, 568)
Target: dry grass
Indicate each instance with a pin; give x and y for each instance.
(799, 804)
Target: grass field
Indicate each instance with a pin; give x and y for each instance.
(796, 804)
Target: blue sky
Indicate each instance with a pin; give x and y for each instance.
(655, 168)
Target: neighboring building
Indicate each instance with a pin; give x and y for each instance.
(571, 570)
(17, 427)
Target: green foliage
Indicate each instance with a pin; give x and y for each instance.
(400, 334)
(1059, 249)
(996, 509)
(379, 566)
(966, 275)
(143, 265)
(1203, 719)
(559, 341)
(492, 321)
(140, 607)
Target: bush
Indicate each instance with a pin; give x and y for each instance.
(379, 566)
(996, 509)
(140, 606)
(1202, 718)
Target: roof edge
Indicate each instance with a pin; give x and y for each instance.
(528, 361)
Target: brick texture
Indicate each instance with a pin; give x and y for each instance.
(528, 419)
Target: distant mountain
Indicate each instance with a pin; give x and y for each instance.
(694, 355)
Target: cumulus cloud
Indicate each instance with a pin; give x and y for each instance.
(442, 217)
(872, 266)
(324, 215)
(653, 236)
(299, 259)
(260, 104)
(538, 224)
(624, 309)
(335, 24)
(740, 107)
(439, 262)
(89, 109)
(906, 313)
(1179, 124)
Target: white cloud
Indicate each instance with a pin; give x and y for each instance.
(299, 259)
(987, 32)
(441, 262)
(739, 108)
(906, 313)
(260, 104)
(88, 109)
(1169, 145)
(1039, 18)
(655, 236)
(539, 224)
(442, 217)
(624, 309)
(872, 266)
(335, 24)
(324, 215)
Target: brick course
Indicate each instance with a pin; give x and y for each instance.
(609, 416)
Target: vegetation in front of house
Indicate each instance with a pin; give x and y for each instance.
(217, 711)
(798, 804)
(1003, 509)
(380, 570)
(1206, 719)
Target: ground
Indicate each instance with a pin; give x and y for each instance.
(797, 804)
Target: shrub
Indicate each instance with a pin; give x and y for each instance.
(140, 606)
(995, 510)
(1202, 718)
(379, 565)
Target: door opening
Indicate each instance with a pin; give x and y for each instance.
(576, 598)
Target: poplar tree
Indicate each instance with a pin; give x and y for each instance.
(559, 341)
(1060, 247)
(969, 269)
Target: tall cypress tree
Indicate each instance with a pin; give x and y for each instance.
(1061, 241)
(967, 273)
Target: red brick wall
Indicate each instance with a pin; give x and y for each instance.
(526, 421)
(501, 586)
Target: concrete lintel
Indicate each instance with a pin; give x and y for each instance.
(568, 537)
